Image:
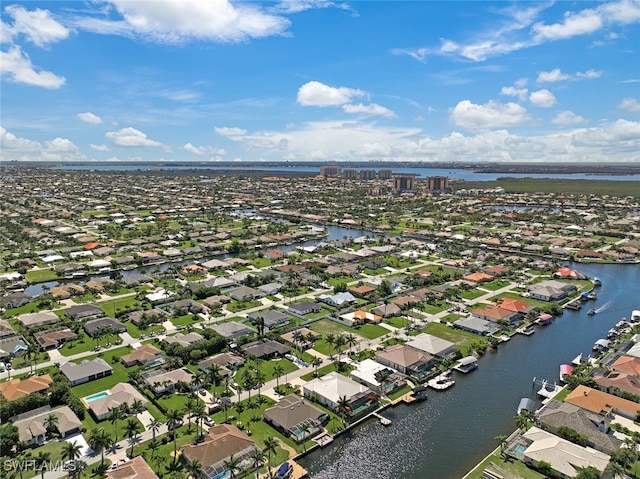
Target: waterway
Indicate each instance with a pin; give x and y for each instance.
(459, 174)
(446, 436)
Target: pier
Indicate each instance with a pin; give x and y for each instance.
(383, 420)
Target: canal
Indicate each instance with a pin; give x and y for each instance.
(446, 436)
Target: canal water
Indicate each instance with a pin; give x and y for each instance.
(446, 436)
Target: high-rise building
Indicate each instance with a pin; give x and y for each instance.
(437, 183)
(330, 170)
(403, 183)
(385, 174)
(367, 175)
(350, 174)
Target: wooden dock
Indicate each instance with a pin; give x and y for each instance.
(406, 398)
(383, 420)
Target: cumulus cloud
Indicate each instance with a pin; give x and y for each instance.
(542, 98)
(179, 21)
(24, 149)
(573, 24)
(490, 115)
(37, 26)
(229, 132)
(373, 109)
(202, 150)
(315, 93)
(98, 147)
(629, 104)
(566, 118)
(16, 67)
(89, 117)
(130, 137)
(521, 93)
(557, 75)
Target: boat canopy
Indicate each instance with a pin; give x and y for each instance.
(603, 342)
(468, 361)
(565, 369)
(526, 404)
(545, 316)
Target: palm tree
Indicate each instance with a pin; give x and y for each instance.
(194, 468)
(42, 459)
(502, 441)
(248, 383)
(259, 378)
(270, 446)
(154, 426)
(225, 404)
(351, 340)
(297, 337)
(232, 464)
(587, 472)
(114, 416)
(131, 430)
(343, 408)
(199, 414)
(189, 407)
(51, 423)
(257, 457)
(339, 343)
(71, 451)
(137, 406)
(99, 440)
(616, 470)
(214, 376)
(330, 339)
(173, 421)
(278, 371)
(315, 362)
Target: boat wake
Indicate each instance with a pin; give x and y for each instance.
(603, 307)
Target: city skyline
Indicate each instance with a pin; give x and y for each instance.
(302, 80)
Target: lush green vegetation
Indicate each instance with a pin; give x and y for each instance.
(551, 185)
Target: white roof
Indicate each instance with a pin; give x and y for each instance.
(99, 263)
(334, 385)
(159, 295)
(430, 344)
(367, 369)
(53, 257)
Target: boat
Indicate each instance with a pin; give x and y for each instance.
(591, 312)
(565, 370)
(592, 295)
(420, 393)
(526, 404)
(601, 345)
(578, 360)
(575, 305)
(527, 330)
(596, 281)
(442, 382)
(635, 315)
(504, 338)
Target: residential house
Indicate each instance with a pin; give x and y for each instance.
(296, 418)
(185, 306)
(328, 389)
(161, 381)
(361, 291)
(143, 356)
(5, 328)
(612, 381)
(407, 360)
(121, 393)
(440, 348)
(184, 339)
(304, 307)
(14, 300)
(226, 361)
(83, 312)
(594, 427)
(219, 282)
(387, 310)
(12, 346)
(232, 330)
(377, 377)
(136, 468)
(337, 300)
(98, 326)
(265, 349)
(54, 338)
(272, 318)
(270, 289)
(155, 315)
(600, 402)
(564, 457)
(217, 447)
(37, 320)
(478, 277)
(359, 317)
(306, 333)
(627, 364)
(551, 290)
(476, 326)
(85, 371)
(494, 313)
(18, 388)
(245, 293)
(31, 425)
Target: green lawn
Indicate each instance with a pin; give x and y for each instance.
(119, 375)
(133, 330)
(111, 307)
(82, 344)
(339, 281)
(323, 312)
(184, 320)
(512, 467)
(267, 367)
(236, 306)
(24, 309)
(450, 318)
(261, 262)
(434, 308)
(323, 347)
(397, 322)
(40, 276)
(534, 302)
(472, 293)
(374, 272)
(329, 368)
(462, 339)
(90, 423)
(371, 331)
(494, 285)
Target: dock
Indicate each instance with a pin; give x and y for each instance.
(299, 472)
(408, 398)
(383, 420)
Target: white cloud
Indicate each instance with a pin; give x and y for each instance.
(24, 149)
(38, 26)
(11, 142)
(579, 23)
(557, 75)
(229, 132)
(521, 93)
(178, 21)
(566, 118)
(315, 93)
(16, 66)
(629, 104)
(373, 109)
(542, 98)
(89, 117)
(202, 150)
(98, 147)
(130, 137)
(490, 115)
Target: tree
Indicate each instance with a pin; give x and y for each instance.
(257, 458)
(232, 465)
(351, 340)
(131, 430)
(137, 406)
(315, 362)
(214, 376)
(154, 426)
(189, 408)
(278, 371)
(330, 339)
(384, 289)
(225, 404)
(340, 342)
(343, 408)
(42, 460)
(194, 468)
(114, 416)
(71, 451)
(615, 470)
(173, 422)
(545, 468)
(9, 437)
(587, 472)
(99, 440)
(259, 379)
(270, 447)
(502, 442)
(298, 338)
(51, 424)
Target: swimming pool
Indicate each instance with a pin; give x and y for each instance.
(99, 395)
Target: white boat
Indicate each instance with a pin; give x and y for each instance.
(635, 316)
(442, 382)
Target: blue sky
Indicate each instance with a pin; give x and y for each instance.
(218, 80)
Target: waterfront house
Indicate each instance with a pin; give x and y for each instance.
(121, 393)
(551, 290)
(433, 345)
(39, 319)
(31, 425)
(327, 390)
(232, 330)
(379, 378)
(409, 361)
(494, 313)
(476, 326)
(564, 457)
(142, 356)
(136, 468)
(95, 327)
(265, 349)
(53, 338)
(217, 447)
(594, 427)
(85, 371)
(616, 380)
(601, 402)
(18, 388)
(296, 418)
(627, 364)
